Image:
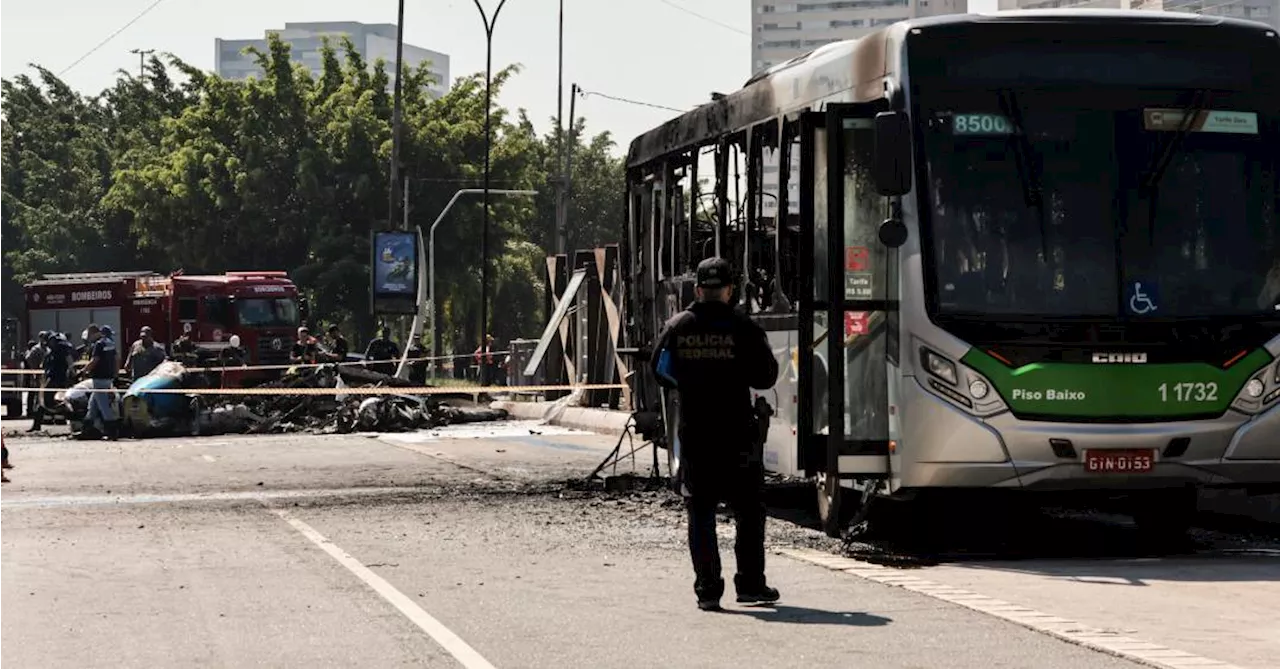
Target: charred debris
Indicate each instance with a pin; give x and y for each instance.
(153, 414)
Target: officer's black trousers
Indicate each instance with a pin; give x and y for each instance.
(742, 488)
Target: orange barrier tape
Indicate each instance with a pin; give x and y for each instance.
(250, 368)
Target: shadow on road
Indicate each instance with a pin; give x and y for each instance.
(1063, 543)
(803, 615)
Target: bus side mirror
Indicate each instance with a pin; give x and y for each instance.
(892, 153)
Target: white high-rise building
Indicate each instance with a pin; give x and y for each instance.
(372, 41)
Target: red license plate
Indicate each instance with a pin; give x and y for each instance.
(1120, 462)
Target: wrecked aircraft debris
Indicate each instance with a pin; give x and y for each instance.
(171, 414)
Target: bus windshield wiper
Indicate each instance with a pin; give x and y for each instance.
(1027, 163)
(1164, 155)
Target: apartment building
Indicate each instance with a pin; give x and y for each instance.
(372, 41)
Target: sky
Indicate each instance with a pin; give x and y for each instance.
(643, 50)
(653, 51)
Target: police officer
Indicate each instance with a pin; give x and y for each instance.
(712, 355)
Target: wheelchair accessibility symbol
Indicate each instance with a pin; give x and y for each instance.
(1142, 298)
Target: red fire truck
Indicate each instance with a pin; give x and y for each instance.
(263, 308)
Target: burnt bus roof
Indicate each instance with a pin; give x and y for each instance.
(801, 81)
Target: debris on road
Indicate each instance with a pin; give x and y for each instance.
(158, 414)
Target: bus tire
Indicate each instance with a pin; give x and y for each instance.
(834, 508)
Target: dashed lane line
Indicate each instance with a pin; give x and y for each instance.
(467, 656)
(1129, 648)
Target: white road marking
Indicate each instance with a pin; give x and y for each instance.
(459, 649)
(1129, 648)
(209, 458)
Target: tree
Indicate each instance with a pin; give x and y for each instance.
(595, 204)
(178, 168)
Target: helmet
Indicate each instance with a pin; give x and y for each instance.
(234, 341)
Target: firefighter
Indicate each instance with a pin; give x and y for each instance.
(712, 355)
(306, 349)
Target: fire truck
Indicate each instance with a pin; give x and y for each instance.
(11, 352)
(263, 308)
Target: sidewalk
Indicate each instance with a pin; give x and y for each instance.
(603, 421)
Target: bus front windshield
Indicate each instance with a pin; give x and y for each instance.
(267, 312)
(1041, 205)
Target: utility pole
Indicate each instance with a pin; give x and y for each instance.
(142, 60)
(405, 204)
(568, 170)
(562, 207)
(396, 113)
(488, 141)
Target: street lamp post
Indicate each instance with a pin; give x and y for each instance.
(561, 204)
(427, 293)
(396, 120)
(488, 140)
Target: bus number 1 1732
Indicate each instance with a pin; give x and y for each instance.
(1189, 392)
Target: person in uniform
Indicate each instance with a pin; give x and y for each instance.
(59, 361)
(103, 369)
(382, 352)
(712, 355)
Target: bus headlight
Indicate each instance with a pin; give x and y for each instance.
(940, 367)
(1254, 388)
(979, 389)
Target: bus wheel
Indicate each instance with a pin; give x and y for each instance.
(834, 505)
(1164, 517)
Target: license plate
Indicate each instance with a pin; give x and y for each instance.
(1120, 462)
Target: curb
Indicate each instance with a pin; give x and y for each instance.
(1111, 643)
(603, 421)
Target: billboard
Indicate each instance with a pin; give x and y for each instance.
(394, 270)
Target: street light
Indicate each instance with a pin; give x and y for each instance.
(427, 294)
(397, 114)
(484, 234)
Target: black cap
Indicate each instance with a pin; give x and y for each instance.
(713, 273)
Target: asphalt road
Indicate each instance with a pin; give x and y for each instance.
(463, 547)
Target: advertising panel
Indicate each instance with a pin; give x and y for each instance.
(394, 270)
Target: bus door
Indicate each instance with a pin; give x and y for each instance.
(848, 326)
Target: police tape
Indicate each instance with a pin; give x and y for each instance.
(358, 390)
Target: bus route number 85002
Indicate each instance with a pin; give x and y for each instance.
(1189, 392)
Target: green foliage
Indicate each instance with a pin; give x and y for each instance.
(289, 172)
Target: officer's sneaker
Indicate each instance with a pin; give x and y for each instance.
(764, 595)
